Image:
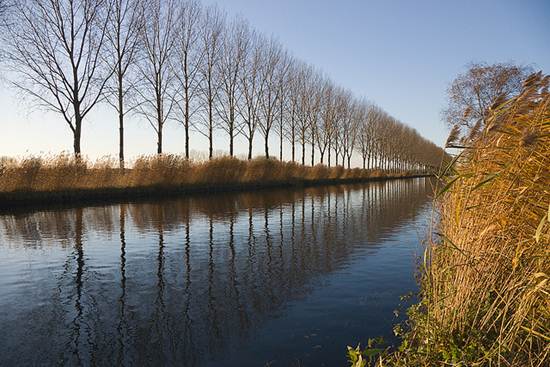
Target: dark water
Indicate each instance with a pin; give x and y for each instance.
(277, 278)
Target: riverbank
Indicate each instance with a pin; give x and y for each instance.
(63, 180)
(485, 279)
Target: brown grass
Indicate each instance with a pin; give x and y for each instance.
(485, 282)
(64, 173)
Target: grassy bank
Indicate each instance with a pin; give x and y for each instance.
(63, 179)
(485, 288)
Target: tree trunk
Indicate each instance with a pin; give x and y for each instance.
(281, 146)
(281, 131)
(159, 140)
(303, 153)
(231, 144)
(77, 132)
(159, 119)
(120, 120)
(210, 131)
(187, 141)
(121, 138)
(186, 123)
(76, 135)
(250, 147)
(293, 137)
(231, 138)
(266, 145)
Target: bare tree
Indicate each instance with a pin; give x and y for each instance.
(124, 27)
(326, 120)
(54, 47)
(292, 86)
(304, 90)
(471, 94)
(234, 48)
(272, 53)
(337, 141)
(211, 38)
(283, 74)
(250, 85)
(349, 126)
(186, 63)
(156, 103)
(366, 138)
(314, 113)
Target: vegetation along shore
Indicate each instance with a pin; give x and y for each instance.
(64, 179)
(485, 286)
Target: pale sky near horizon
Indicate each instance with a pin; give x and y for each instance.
(401, 55)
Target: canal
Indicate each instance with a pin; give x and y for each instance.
(269, 278)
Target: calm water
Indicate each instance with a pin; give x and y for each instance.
(277, 278)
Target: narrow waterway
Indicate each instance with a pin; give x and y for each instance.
(278, 278)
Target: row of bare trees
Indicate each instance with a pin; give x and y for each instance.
(178, 61)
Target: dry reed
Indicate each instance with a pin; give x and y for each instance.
(64, 173)
(485, 287)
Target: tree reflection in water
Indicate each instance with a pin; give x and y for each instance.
(185, 281)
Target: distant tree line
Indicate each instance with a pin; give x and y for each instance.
(178, 61)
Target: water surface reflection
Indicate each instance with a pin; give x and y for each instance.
(286, 277)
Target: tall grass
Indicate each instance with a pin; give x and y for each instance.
(485, 287)
(64, 173)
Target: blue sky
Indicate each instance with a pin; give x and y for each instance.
(401, 55)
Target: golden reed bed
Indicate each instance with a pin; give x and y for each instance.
(64, 178)
(485, 287)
